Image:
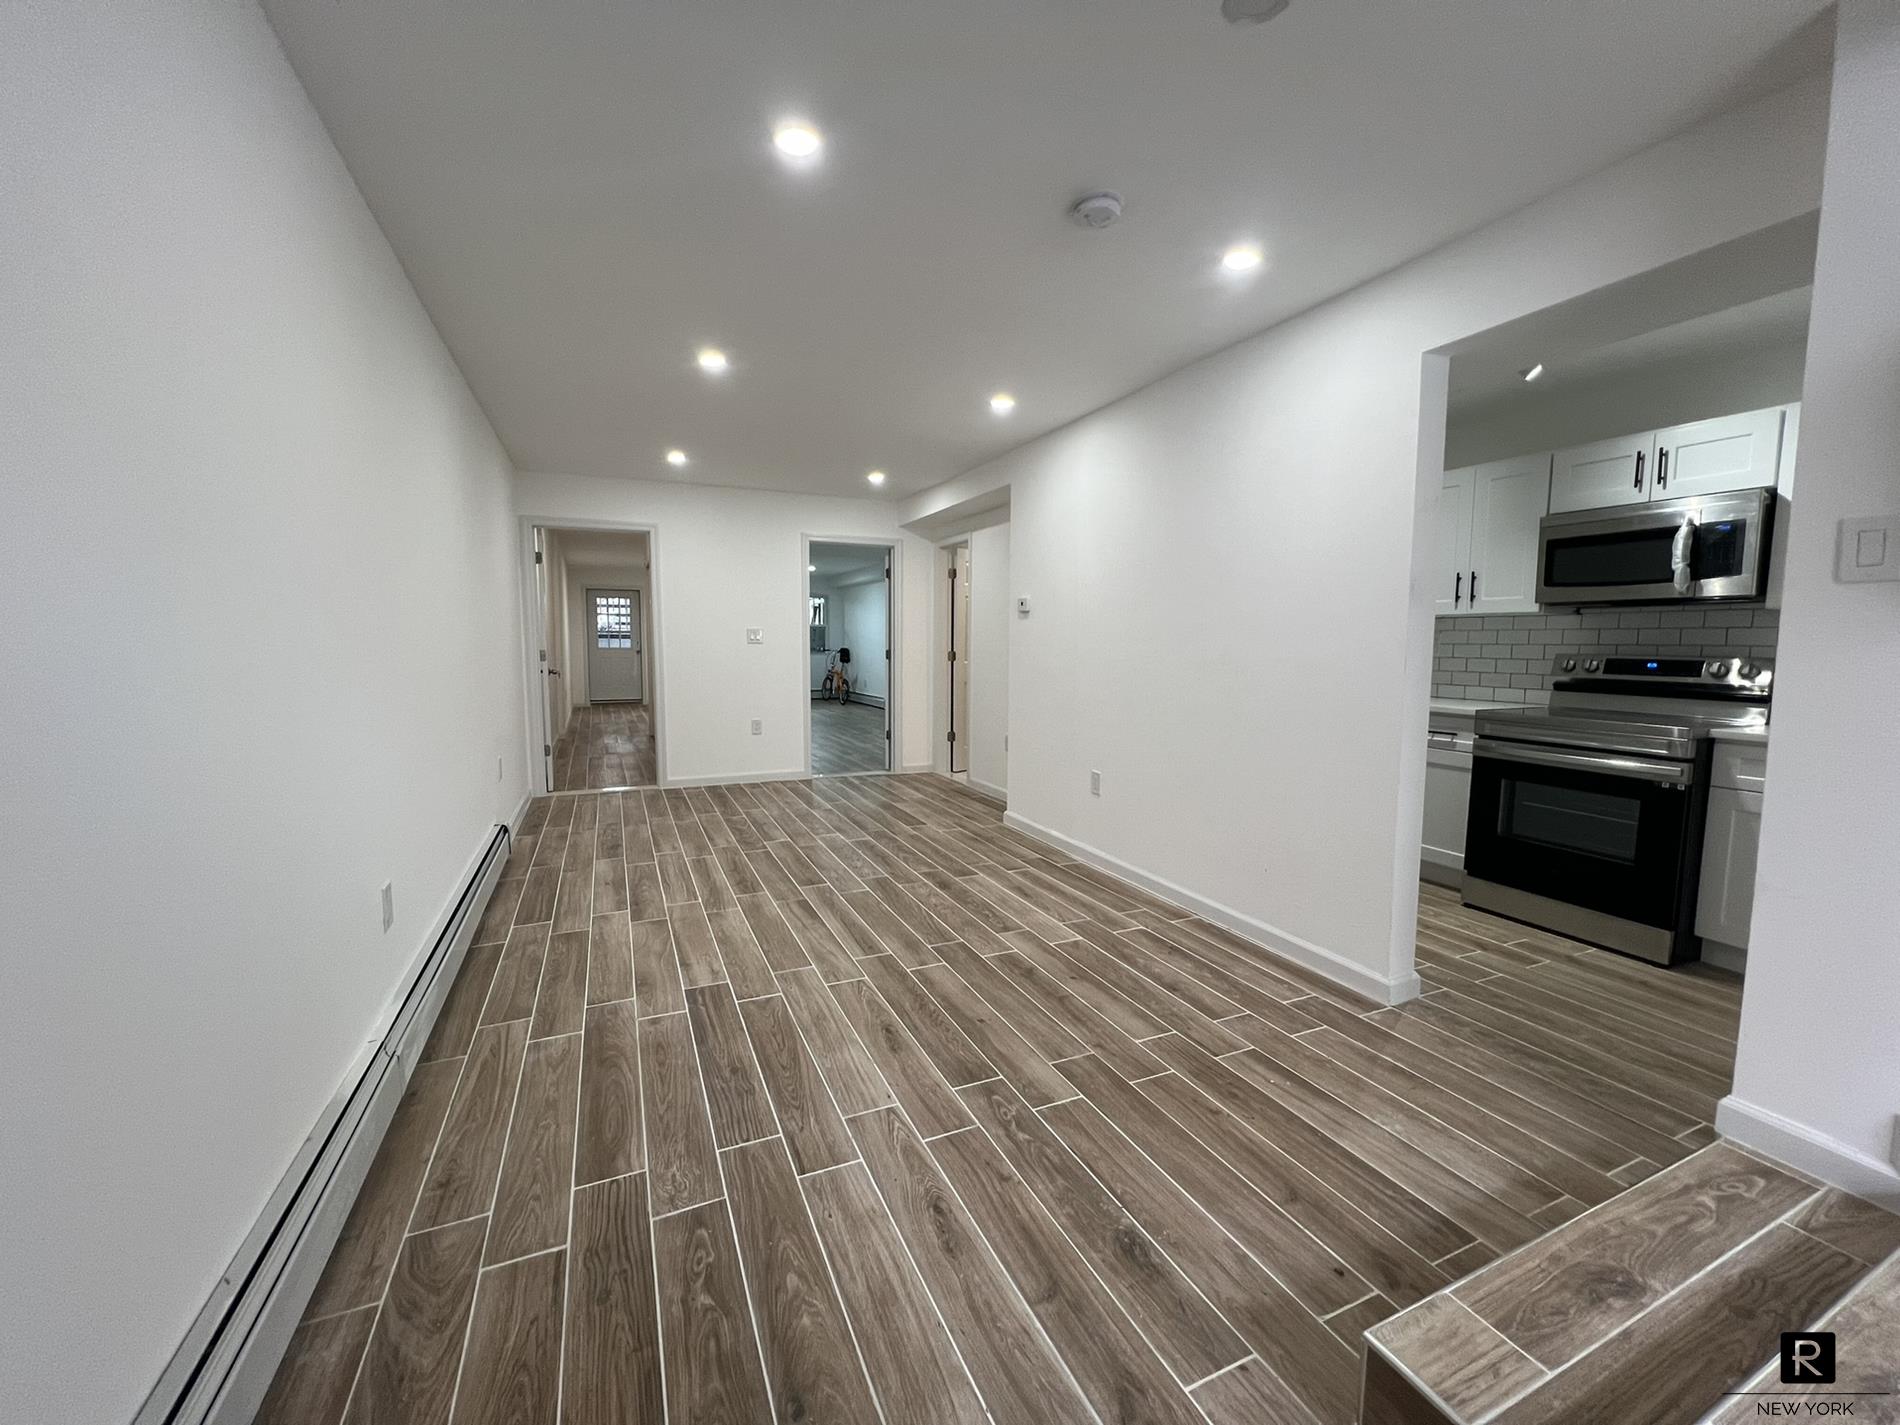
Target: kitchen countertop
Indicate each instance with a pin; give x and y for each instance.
(1464, 707)
(1756, 735)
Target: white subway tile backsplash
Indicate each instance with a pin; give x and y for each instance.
(1508, 658)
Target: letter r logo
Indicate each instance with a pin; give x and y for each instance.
(1807, 1358)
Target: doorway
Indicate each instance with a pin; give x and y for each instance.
(614, 647)
(848, 615)
(593, 657)
(958, 682)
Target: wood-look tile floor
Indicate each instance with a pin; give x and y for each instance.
(846, 737)
(840, 1101)
(606, 745)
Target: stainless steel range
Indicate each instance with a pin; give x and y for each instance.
(1587, 815)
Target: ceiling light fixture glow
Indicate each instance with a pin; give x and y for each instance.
(876, 477)
(1531, 373)
(797, 139)
(712, 360)
(1242, 257)
(1002, 403)
(811, 568)
(676, 458)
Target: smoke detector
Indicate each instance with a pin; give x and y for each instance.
(1251, 12)
(1097, 210)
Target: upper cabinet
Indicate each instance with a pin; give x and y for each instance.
(1486, 551)
(1602, 474)
(1702, 458)
(1451, 561)
(1728, 453)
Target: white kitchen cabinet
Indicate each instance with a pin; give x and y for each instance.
(1485, 549)
(1784, 501)
(1511, 496)
(1602, 474)
(1451, 549)
(1709, 457)
(1730, 844)
(1447, 801)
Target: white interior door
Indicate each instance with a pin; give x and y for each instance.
(550, 719)
(614, 650)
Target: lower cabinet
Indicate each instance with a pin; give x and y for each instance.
(1729, 847)
(1447, 798)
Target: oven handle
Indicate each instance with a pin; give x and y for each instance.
(1609, 765)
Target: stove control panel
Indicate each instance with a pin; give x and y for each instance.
(1735, 674)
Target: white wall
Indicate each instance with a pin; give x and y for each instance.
(1665, 394)
(1276, 494)
(724, 560)
(992, 611)
(1817, 1077)
(863, 625)
(261, 651)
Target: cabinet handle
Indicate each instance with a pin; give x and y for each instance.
(1639, 469)
(1457, 589)
(1662, 468)
(1474, 588)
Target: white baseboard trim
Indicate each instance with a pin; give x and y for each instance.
(1732, 958)
(995, 794)
(794, 774)
(1316, 958)
(913, 768)
(1816, 1154)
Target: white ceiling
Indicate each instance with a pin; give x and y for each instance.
(845, 563)
(584, 192)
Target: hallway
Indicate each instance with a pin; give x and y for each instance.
(851, 1062)
(606, 745)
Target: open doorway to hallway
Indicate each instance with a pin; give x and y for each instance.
(848, 601)
(594, 660)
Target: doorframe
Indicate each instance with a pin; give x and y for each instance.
(893, 608)
(639, 631)
(532, 614)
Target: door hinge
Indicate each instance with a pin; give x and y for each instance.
(544, 655)
(951, 736)
(953, 655)
(537, 556)
(887, 655)
(547, 750)
(953, 575)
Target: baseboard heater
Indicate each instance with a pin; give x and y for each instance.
(220, 1372)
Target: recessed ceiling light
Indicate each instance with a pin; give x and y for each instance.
(1531, 373)
(712, 360)
(676, 458)
(1242, 257)
(876, 477)
(797, 139)
(1251, 12)
(1002, 403)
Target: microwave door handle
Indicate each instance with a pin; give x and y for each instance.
(1682, 556)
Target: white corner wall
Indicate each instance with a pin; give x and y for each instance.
(1270, 497)
(1817, 1074)
(725, 560)
(991, 614)
(261, 645)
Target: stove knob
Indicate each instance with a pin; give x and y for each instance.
(1590, 665)
(1570, 665)
(1749, 671)
(1718, 668)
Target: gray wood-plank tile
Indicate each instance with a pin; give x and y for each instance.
(1194, 1175)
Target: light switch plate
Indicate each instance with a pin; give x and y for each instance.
(1869, 550)
(755, 635)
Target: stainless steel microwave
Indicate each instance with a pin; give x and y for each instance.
(1669, 551)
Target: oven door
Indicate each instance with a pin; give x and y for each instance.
(1592, 844)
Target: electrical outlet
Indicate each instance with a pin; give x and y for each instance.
(389, 904)
(1095, 784)
(755, 635)
(758, 726)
